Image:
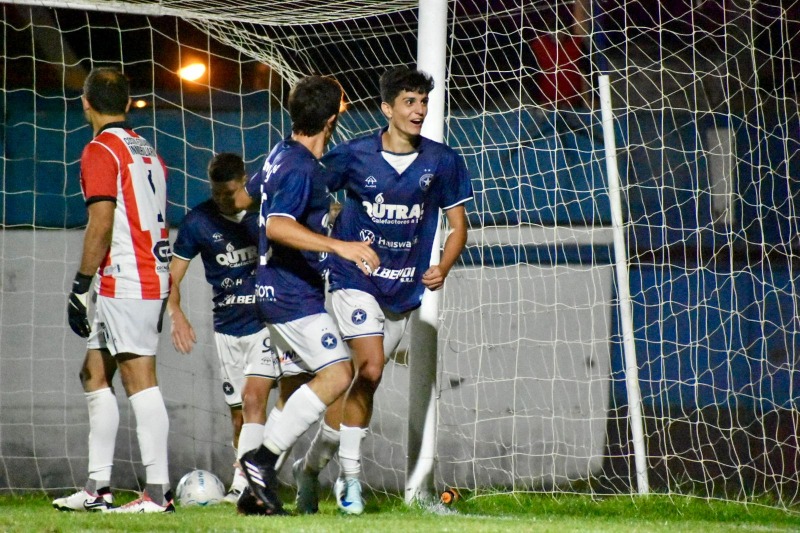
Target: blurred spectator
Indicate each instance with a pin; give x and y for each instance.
(561, 54)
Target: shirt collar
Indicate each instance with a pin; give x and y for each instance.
(379, 141)
(123, 125)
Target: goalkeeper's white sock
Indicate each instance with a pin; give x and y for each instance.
(103, 425)
(350, 450)
(250, 438)
(152, 430)
(301, 410)
(322, 448)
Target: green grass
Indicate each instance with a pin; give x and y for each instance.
(500, 513)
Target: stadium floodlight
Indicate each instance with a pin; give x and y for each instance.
(192, 71)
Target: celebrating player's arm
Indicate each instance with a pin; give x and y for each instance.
(287, 231)
(183, 335)
(434, 277)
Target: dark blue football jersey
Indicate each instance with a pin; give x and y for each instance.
(290, 283)
(229, 253)
(397, 211)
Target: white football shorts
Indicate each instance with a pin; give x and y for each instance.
(308, 344)
(359, 315)
(240, 357)
(126, 325)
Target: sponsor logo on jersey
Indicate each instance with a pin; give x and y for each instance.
(236, 258)
(238, 299)
(217, 236)
(265, 292)
(227, 283)
(139, 146)
(370, 182)
(269, 169)
(329, 341)
(396, 245)
(358, 317)
(425, 181)
(162, 251)
(110, 270)
(405, 275)
(382, 213)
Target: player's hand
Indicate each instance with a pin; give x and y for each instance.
(76, 305)
(360, 253)
(183, 336)
(433, 278)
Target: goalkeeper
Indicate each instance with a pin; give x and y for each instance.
(226, 239)
(396, 181)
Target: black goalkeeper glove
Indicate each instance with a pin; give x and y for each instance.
(76, 305)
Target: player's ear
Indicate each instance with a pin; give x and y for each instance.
(386, 109)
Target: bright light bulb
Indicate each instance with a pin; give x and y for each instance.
(140, 104)
(192, 72)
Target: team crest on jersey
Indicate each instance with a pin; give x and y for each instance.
(227, 388)
(358, 317)
(370, 182)
(227, 283)
(217, 236)
(329, 341)
(425, 181)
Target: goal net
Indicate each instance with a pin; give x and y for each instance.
(531, 382)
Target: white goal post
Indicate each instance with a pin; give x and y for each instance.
(520, 374)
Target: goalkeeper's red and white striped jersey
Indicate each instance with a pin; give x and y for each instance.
(120, 166)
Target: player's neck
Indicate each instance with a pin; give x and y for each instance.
(314, 143)
(399, 142)
(100, 121)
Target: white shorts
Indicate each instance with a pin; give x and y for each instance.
(126, 325)
(359, 315)
(240, 357)
(308, 344)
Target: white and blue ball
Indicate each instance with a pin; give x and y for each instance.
(200, 488)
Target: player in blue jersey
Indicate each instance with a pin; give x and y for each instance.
(290, 287)
(226, 239)
(396, 181)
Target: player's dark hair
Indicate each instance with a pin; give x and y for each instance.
(225, 166)
(399, 79)
(107, 91)
(312, 101)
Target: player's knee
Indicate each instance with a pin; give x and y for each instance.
(254, 400)
(370, 375)
(88, 380)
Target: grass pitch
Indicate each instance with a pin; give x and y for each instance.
(495, 513)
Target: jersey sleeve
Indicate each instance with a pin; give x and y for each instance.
(456, 185)
(335, 163)
(253, 186)
(185, 245)
(291, 194)
(99, 171)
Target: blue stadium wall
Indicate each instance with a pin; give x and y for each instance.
(714, 319)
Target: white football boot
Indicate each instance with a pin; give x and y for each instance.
(84, 501)
(348, 496)
(144, 505)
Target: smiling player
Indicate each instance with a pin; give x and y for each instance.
(396, 181)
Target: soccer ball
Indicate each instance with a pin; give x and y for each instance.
(200, 487)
